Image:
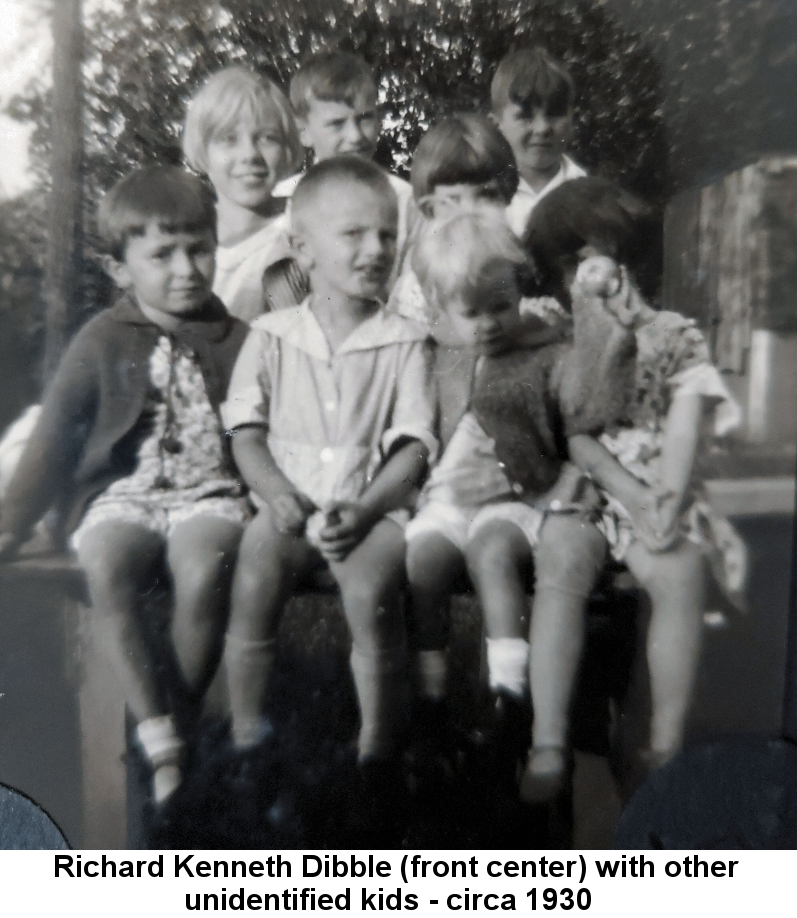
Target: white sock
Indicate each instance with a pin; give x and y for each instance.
(432, 667)
(508, 665)
(163, 747)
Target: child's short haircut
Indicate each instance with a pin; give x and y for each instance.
(586, 211)
(464, 149)
(330, 76)
(452, 255)
(531, 78)
(337, 169)
(178, 201)
(220, 104)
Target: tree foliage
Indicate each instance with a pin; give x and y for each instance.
(145, 58)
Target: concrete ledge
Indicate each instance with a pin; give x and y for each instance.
(752, 496)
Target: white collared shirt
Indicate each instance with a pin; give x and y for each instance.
(238, 281)
(331, 415)
(526, 199)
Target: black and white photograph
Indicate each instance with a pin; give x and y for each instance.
(399, 424)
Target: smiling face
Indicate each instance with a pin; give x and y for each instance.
(538, 136)
(348, 243)
(339, 128)
(451, 200)
(169, 272)
(247, 159)
(489, 314)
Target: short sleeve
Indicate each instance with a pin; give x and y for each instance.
(705, 379)
(414, 410)
(248, 395)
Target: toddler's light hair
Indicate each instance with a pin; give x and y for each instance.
(330, 76)
(223, 100)
(451, 256)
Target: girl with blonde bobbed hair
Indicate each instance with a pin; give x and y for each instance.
(240, 133)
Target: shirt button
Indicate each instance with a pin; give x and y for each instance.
(330, 406)
(517, 487)
(327, 454)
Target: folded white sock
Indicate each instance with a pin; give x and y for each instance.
(508, 665)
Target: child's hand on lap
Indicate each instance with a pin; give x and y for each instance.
(291, 511)
(347, 525)
(666, 518)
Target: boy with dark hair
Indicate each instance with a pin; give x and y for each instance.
(129, 449)
(532, 97)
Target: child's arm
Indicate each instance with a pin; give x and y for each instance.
(350, 522)
(290, 508)
(246, 414)
(56, 443)
(408, 444)
(684, 424)
(593, 458)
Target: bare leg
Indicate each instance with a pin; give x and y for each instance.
(270, 564)
(499, 560)
(201, 556)
(433, 566)
(121, 561)
(371, 581)
(569, 560)
(675, 581)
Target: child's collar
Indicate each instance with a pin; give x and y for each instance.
(213, 325)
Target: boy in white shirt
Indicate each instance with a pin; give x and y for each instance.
(331, 409)
(532, 103)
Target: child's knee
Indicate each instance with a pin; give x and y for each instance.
(570, 556)
(118, 555)
(495, 550)
(203, 552)
(681, 568)
(432, 560)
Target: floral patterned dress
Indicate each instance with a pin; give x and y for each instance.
(673, 357)
(183, 470)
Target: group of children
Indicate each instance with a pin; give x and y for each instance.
(453, 376)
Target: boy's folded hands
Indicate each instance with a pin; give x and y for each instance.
(347, 524)
(290, 511)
